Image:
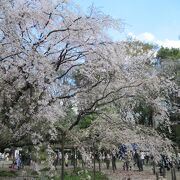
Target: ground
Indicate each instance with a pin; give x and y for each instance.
(119, 174)
(147, 174)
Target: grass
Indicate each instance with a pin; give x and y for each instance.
(4, 173)
(82, 174)
(79, 174)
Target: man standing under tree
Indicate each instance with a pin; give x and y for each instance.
(114, 160)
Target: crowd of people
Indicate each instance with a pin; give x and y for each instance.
(4, 156)
(131, 159)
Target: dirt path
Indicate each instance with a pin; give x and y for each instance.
(120, 174)
(132, 175)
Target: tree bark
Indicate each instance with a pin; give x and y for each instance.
(99, 165)
(157, 176)
(164, 172)
(174, 173)
(62, 167)
(74, 158)
(94, 162)
(154, 168)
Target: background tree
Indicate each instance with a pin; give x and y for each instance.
(170, 67)
(169, 53)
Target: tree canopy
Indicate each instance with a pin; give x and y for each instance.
(59, 69)
(169, 53)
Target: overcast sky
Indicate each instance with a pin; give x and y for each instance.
(156, 21)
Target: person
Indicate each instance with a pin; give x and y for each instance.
(138, 161)
(56, 160)
(107, 158)
(16, 153)
(114, 160)
(100, 159)
(18, 161)
(136, 156)
(6, 157)
(126, 162)
(162, 165)
(151, 158)
(13, 165)
(103, 157)
(66, 159)
(147, 157)
(127, 159)
(100, 156)
(142, 157)
(60, 157)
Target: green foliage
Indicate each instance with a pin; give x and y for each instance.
(82, 174)
(69, 118)
(175, 136)
(177, 130)
(4, 173)
(169, 53)
(145, 112)
(109, 109)
(136, 47)
(99, 176)
(87, 120)
(34, 173)
(42, 154)
(170, 64)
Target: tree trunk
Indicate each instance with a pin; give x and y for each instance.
(154, 168)
(83, 164)
(157, 176)
(164, 172)
(62, 167)
(174, 173)
(74, 158)
(94, 163)
(99, 165)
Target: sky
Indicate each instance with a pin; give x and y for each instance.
(155, 21)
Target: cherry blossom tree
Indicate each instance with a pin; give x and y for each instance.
(42, 44)
(117, 121)
(54, 56)
(58, 65)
